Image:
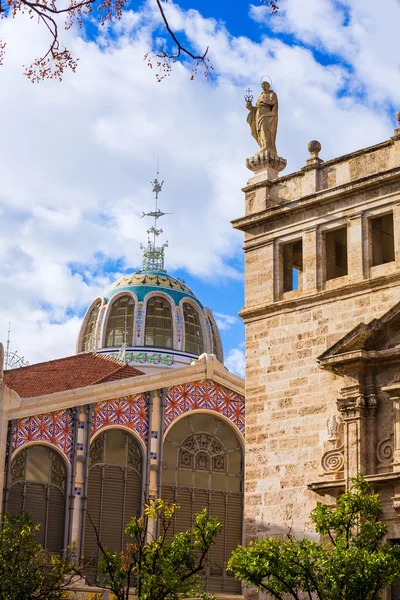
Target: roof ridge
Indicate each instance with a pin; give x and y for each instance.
(109, 358)
(120, 366)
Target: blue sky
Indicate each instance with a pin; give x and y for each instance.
(78, 156)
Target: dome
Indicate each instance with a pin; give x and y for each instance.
(149, 318)
(152, 320)
(142, 282)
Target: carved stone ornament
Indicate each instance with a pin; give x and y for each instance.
(385, 449)
(333, 426)
(264, 160)
(353, 407)
(333, 460)
(396, 503)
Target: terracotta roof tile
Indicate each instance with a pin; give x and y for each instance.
(67, 373)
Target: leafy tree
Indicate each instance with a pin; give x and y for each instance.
(351, 562)
(27, 570)
(159, 568)
(57, 58)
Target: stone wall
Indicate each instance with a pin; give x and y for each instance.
(289, 397)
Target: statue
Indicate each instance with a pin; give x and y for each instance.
(263, 118)
(333, 426)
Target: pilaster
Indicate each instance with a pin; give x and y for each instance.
(355, 243)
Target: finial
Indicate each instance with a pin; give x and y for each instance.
(314, 148)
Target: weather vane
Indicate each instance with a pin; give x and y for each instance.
(153, 256)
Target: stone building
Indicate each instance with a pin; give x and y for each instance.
(322, 316)
(144, 409)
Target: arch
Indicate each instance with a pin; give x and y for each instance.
(202, 467)
(114, 492)
(193, 328)
(159, 328)
(87, 340)
(38, 484)
(119, 321)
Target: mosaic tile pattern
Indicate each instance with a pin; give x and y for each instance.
(129, 411)
(55, 428)
(204, 395)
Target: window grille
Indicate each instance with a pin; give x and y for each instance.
(38, 485)
(114, 494)
(203, 468)
(120, 322)
(158, 331)
(193, 331)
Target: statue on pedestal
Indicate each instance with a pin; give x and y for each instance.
(263, 118)
(263, 122)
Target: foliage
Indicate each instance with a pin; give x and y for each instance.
(54, 61)
(159, 568)
(27, 570)
(351, 562)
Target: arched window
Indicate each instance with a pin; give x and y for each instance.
(120, 322)
(203, 467)
(193, 332)
(158, 331)
(114, 493)
(88, 338)
(38, 482)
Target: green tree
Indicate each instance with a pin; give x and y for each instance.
(351, 562)
(159, 568)
(27, 570)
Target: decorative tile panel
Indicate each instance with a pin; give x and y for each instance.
(54, 428)
(204, 395)
(128, 411)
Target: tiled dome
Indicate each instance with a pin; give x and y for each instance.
(151, 320)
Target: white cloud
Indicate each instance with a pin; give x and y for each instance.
(235, 360)
(225, 322)
(77, 158)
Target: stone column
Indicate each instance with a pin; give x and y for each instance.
(82, 451)
(355, 248)
(353, 407)
(310, 260)
(259, 275)
(155, 432)
(396, 227)
(393, 390)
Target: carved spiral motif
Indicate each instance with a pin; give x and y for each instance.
(333, 460)
(385, 449)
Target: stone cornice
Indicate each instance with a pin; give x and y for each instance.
(359, 356)
(322, 196)
(254, 313)
(207, 367)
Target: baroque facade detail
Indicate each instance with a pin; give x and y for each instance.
(204, 395)
(54, 428)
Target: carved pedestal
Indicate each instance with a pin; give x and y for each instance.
(265, 165)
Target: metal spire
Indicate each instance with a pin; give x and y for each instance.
(153, 256)
(12, 360)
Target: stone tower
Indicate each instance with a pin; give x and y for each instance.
(322, 316)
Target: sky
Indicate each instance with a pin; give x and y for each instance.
(77, 157)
